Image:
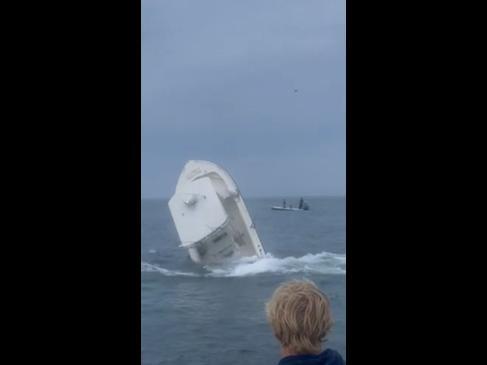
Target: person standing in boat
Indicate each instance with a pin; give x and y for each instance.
(301, 201)
(284, 203)
(300, 318)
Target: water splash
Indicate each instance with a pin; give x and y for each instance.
(325, 263)
(146, 267)
(322, 263)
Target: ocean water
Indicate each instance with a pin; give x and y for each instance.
(215, 315)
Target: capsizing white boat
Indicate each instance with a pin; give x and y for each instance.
(210, 215)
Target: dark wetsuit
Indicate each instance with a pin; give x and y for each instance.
(327, 357)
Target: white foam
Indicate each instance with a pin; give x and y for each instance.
(325, 263)
(322, 263)
(146, 267)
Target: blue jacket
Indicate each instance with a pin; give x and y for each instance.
(327, 357)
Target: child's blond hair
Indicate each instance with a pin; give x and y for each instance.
(299, 314)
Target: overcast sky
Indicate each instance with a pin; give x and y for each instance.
(257, 86)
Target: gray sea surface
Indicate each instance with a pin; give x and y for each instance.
(215, 315)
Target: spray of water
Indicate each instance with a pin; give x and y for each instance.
(325, 263)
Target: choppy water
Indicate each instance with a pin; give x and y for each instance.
(215, 314)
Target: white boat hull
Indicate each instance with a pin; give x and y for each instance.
(210, 215)
(292, 209)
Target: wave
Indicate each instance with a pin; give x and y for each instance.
(146, 267)
(321, 263)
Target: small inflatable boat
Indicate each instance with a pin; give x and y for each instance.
(288, 208)
(302, 206)
(210, 215)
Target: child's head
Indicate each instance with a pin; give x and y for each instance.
(299, 314)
